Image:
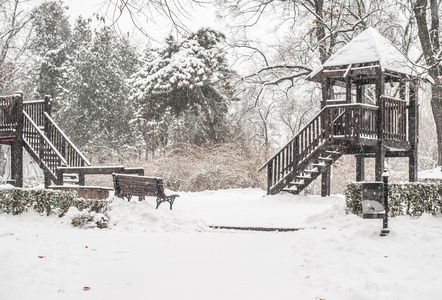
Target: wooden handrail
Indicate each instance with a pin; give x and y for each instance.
(369, 106)
(67, 139)
(291, 141)
(42, 135)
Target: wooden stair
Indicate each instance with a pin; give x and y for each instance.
(317, 146)
(315, 168)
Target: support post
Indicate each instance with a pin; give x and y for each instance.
(413, 121)
(359, 93)
(47, 109)
(348, 89)
(385, 229)
(48, 100)
(269, 176)
(326, 91)
(380, 123)
(325, 182)
(360, 168)
(17, 145)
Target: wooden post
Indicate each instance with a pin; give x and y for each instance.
(360, 159)
(17, 145)
(380, 123)
(385, 229)
(348, 89)
(326, 127)
(47, 109)
(48, 106)
(326, 91)
(413, 131)
(360, 168)
(325, 182)
(359, 92)
(269, 176)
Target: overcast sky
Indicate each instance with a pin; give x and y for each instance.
(200, 16)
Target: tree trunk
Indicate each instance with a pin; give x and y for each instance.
(430, 47)
(203, 102)
(436, 106)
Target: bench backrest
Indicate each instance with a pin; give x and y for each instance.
(138, 185)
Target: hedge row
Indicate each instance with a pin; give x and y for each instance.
(17, 200)
(414, 198)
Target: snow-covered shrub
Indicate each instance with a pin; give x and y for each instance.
(414, 198)
(88, 219)
(17, 200)
(88, 213)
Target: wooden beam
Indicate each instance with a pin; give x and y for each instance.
(380, 123)
(413, 121)
(17, 145)
(360, 168)
(325, 182)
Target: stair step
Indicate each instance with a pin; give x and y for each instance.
(288, 190)
(296, 183)
(333, 152)
(319, 165)
(70, 180)
(315, 170)
(326, 158)
(304, 177)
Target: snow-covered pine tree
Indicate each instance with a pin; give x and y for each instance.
(183, 91)
(93, 106)
(51, 34)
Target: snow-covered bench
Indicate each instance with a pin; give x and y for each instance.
(133, 185)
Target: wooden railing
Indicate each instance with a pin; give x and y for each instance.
(395, 127)
(348, 121)
(41, 148)
(63, 144)
(282, 164)
(8, 113)
(36, 109)
(353, 121)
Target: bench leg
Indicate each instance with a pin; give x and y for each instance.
(159, 201)
(171, 200)
(168, 199)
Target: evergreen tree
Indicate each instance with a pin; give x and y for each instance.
(183, 91)
(94, 108)
(52, 33)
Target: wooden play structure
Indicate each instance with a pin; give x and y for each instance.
(369, 108)
(28, 125)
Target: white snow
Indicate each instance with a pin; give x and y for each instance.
(435, 173)
(370, 46)
(163, 254)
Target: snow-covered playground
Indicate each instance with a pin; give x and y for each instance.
(163, 254)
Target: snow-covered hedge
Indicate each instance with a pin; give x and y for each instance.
(17, 200)
(414, 198)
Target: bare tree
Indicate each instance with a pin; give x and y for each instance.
(144, 13)
(429, 36)
(14, 36)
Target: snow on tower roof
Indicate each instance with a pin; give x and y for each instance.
(371, 47)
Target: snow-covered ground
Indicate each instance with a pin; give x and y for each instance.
(163, 254)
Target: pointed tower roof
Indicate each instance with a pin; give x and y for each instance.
(369, 48)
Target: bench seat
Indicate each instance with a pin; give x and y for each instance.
(134, 185)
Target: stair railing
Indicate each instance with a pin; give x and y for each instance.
(73, 156)
(41, 148)
(283, 163)
(342, 121)
(35, 110)
(8, 113)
